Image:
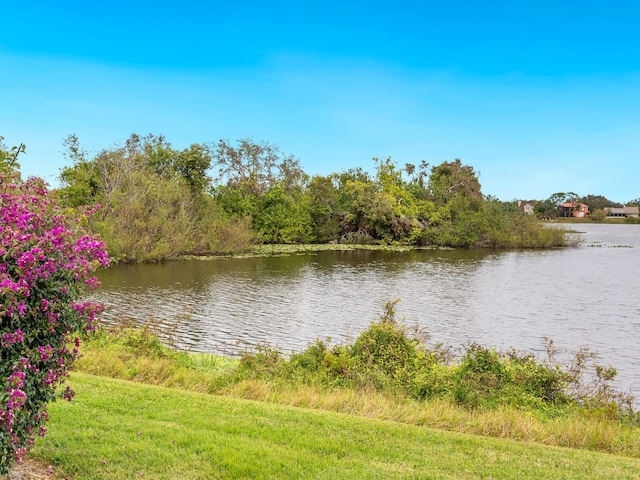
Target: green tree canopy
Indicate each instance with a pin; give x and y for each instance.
(166, 201)
(452, 178)
(154, 200)
(254, 167)
(597, 202)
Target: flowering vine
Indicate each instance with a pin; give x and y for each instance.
(46, 263)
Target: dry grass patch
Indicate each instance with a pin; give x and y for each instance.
(574, 431)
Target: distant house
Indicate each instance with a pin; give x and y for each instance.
(573, 209)
(527, 207)
(622, 212)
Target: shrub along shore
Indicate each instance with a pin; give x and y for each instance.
(388, 405)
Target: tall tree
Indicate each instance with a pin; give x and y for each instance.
(254, 167)
(192, 164)
(322, 196)
(450, 179)
(597, 202)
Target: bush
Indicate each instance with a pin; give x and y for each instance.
(479, 376)
(262, 362)
(598, 215)
(487, 378)
(385, 355)
(45, 263)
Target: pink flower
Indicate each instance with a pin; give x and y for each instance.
(16, 379)
(17, 399)
(45, 264)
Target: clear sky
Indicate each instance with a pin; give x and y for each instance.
(539, 97)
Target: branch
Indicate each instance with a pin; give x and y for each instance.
(18, 150)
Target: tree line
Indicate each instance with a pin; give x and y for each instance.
(158, 202)
(596, 204)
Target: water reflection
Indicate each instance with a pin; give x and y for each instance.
(581, 296)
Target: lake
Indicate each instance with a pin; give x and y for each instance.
(588, 295)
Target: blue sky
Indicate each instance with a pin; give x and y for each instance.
(539, 97)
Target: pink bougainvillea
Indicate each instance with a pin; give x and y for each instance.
(46, 263)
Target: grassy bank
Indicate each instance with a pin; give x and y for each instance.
(116, 429)
(265, 376)
(387, 374)
(384, 406)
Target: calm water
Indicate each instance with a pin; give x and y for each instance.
(588, 295)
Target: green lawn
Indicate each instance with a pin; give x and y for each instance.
(121, 430)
